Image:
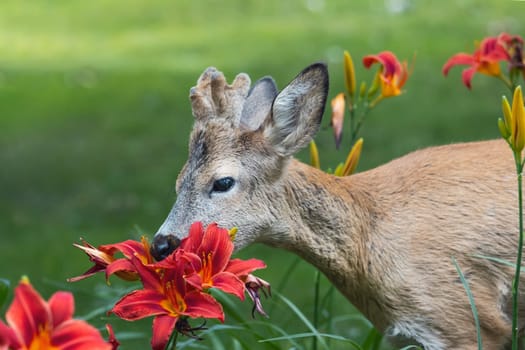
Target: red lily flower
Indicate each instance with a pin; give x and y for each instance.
(484, 60)
(393, 73)
(208, 255)
(514, 46)
(33, 323)
(104, 259)
(167, 297)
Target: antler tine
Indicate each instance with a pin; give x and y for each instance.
(214, 98)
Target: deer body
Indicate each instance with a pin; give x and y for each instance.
(385, 238)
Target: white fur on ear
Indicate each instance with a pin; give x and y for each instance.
(298, 109)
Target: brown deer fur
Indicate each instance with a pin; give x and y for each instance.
(385, 237)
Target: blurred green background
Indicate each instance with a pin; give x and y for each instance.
(94, 114)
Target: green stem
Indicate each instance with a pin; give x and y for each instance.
(316, 306)
(172, 343)
(508, 82)
(515, 285)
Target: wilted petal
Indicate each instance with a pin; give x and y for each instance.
(253, 285)
(338, 115)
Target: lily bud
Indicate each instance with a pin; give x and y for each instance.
(353, 158)
(339, 170)
(376, 83)
(518, 118)
(505, 133)
(349, 72)
(362, 90)
(314, 155)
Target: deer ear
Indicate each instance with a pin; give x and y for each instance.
(258, 104)
(297, 110)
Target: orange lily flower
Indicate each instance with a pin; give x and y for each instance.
(393, 73)
(33, 323)
(484, 60)
(169, 298)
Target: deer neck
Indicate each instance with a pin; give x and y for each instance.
(328, 221)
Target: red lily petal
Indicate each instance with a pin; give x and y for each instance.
(148, 276)
(112, 340)
(229, 283)
(203, 305)
(460, 58)
(244, 267)
(27, 313)
(467, 75)
(8, 338)
(62, 306)
(163, 326)
(78, 335)
(217, 242)
(194, 280)
(387, 59)
(124, 268)
(194, 239)
(139, 304)
(128, 248)
(491, 50)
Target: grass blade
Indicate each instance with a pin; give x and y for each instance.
(471, 301)
(306, 322)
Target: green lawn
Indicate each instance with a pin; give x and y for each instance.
(94, 115)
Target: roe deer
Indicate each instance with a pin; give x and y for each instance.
(385, 237)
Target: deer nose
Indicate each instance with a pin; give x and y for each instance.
(163, 245)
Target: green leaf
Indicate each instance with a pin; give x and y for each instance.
(471, 301)
(4, 291)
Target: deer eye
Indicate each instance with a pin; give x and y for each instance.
(223, 185)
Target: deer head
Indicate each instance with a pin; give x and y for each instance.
(240, 145)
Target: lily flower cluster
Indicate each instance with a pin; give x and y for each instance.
(487, 57)
(34, 324)
(388, 81)
(177, 288)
